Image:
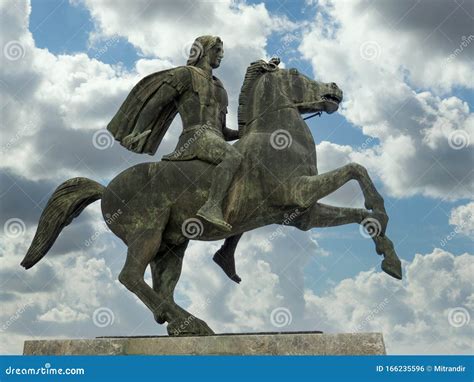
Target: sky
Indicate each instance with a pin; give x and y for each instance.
(406, 69)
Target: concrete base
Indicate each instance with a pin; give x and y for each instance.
(296, 343)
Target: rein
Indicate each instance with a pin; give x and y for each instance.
(318, 113)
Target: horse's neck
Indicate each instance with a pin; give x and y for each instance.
(281, 136)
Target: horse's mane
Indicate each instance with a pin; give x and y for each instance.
(254, 71)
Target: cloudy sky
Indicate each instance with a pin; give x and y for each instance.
(406, 69)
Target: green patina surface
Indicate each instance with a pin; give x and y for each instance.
(208, 189)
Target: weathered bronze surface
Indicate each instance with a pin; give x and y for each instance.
(208, 189)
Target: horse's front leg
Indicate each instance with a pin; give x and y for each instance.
(307, 190)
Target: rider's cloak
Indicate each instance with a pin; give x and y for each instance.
(125, 120)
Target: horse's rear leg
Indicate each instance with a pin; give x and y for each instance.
(165, 269)
(141, 250)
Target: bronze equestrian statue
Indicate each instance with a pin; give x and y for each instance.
(272, 171)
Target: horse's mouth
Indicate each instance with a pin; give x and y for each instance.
(332, 98)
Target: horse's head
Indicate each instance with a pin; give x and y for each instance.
(269, 88)
(308, 95)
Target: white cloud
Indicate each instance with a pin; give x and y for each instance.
(331, 156)
(462, 218)
(62, 295)
(414, 314)
(166, 29)
(271, 265)
(63, 313)
(425, 137)
(53, 104)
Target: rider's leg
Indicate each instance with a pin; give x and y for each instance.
(221, 179)
(224, 257)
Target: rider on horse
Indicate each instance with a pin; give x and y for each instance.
(201, 101)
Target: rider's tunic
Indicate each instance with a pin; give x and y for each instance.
(202, 105)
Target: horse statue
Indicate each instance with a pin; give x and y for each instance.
(152, 206)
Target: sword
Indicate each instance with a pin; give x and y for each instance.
(131, 140)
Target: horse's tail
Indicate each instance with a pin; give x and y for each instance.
(66, 203)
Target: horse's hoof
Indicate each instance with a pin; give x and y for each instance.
(393, 267)
(160, 319)
(191, 326)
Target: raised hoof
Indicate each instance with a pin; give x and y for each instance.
(393, 267)
(159, 319)
(191, 326)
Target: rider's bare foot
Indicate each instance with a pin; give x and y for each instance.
(226, 261)
(213, 214)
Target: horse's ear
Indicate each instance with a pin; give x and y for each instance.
(275, 61)
(272, 65)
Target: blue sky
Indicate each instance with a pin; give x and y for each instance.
(420, 208)
(63, 28)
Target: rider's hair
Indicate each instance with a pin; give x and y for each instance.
(200, 47)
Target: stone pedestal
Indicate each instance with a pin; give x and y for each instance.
(296, 343)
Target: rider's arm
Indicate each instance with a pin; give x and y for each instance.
(230, 134)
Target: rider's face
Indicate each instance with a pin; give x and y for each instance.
(216, 53)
